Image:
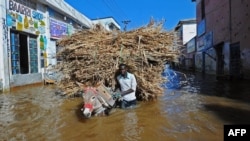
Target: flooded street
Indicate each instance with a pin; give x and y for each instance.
(196, 112)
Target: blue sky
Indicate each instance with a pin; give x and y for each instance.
(138, 12)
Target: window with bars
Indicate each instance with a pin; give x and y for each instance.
(33, 55)
(15, 54)
(24, 53)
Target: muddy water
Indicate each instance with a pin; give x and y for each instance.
(196, 112)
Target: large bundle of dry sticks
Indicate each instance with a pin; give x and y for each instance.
(93, 56)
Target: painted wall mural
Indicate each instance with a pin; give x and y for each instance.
(23, 18)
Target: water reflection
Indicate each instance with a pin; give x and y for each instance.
(131, 131)
(209, 85)
(30, 114)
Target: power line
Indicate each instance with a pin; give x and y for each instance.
(120, 10)
(125, 20)
(99, 10)
(115, 9)
(110, 7)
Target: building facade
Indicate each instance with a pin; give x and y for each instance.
(108, 23)
(185, 31)
(29, 30)
(223, 37)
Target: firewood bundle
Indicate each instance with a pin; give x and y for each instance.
(93, 56)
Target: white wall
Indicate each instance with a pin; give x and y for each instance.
(4, 68)
(70, 11)
(189, 31)
(51, 51)
(2, 7)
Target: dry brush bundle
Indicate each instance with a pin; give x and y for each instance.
(91, 56)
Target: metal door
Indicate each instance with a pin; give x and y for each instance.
(220, 59)
(235, 60)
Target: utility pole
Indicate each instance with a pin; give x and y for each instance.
(125, 24)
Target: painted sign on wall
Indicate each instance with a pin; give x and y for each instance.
(71, 29)
(191, 46)
(201, 27)
(205, 42)
(23, 18)
(58, 29)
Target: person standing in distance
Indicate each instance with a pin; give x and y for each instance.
(127, 84)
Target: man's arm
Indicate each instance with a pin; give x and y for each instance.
(127, 92)
(133, 86)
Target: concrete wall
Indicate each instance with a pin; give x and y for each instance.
(4, 66)
(217, 19)
(229, 20)
(210, 62)
(25, 79)
(241, 31)
(189, 32)
(198, 61)
(68, 10)
(226, 52)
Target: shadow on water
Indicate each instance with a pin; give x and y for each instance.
(226, 99)
(231, 115)
(209, 85)
(78, 113)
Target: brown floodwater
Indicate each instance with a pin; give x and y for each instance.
(196, 112)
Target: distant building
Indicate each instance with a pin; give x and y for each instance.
(223, 35)
(185, 30)
(108, 23)
(28, 34)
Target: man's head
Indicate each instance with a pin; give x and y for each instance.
(123, 69)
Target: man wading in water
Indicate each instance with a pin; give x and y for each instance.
(127, 84)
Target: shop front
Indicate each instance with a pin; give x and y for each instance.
(27, 42)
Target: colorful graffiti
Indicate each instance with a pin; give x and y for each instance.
(23, 18)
